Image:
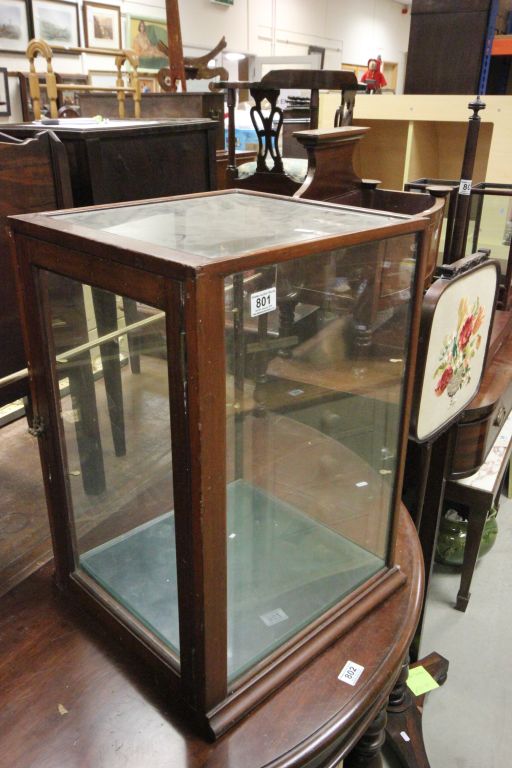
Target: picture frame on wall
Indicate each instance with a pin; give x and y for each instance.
(102, 78)
(143, 36)
(56, 22)
(15, 26)
(5, 103)
(102, 26)
(148, 83)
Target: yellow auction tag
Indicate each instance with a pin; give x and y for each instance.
(420, 681)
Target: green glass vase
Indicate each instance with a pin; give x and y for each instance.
(453, 532)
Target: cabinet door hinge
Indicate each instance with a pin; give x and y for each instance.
(37, 427)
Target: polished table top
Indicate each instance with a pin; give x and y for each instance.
(70, 699)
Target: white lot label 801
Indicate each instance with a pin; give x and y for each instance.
(263, 302)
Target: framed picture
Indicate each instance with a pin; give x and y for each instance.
(102, 78)
(71, 98)
(15, 26)
(56, 21)
(5, 104)
(148, 84)
(102, 26)
(456, 321)
(143, 36)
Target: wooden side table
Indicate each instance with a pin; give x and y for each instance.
(479, 492)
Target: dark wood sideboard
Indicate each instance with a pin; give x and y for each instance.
(162, 105)
(136, 159)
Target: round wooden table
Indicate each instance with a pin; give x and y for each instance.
(71, 698)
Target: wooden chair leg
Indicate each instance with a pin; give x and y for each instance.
(131, 315)
(106, 320)
(476, 522)
(83, 398)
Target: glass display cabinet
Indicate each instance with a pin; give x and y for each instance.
(229, 508)
(490, 226)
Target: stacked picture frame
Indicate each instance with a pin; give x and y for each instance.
(58, 23)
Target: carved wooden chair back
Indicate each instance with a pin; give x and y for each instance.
(272, 172)
(331, 177)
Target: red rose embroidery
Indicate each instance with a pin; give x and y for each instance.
(443, 381)
(466, 331)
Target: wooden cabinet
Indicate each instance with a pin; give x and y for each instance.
(446, 46)
(135, 159)
(161, 105)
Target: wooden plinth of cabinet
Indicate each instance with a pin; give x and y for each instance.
(67, 692)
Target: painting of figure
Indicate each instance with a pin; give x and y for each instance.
(143, 38)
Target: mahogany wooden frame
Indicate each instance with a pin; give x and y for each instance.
(452, 274)
(179, 284)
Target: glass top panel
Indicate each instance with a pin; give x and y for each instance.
(227, 225)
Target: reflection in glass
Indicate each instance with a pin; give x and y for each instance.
(490, 225)
(316, 352)
(114, 406)
(204, 225)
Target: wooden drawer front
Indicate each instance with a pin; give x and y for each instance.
(470, 443)
(498, 418)
(474, 439)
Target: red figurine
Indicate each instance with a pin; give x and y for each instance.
(373, 77)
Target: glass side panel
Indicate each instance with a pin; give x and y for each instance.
(490, 226)
(226, 225)
(114, 407)
(316, 353)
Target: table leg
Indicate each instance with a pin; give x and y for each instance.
(404, 733)
(476, 522)
(429, 516)
(367, 751)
